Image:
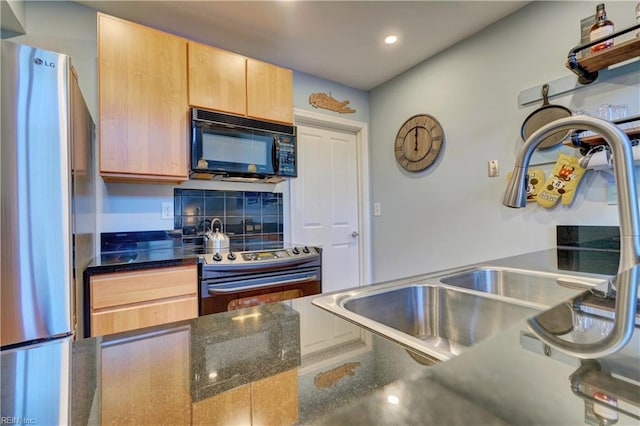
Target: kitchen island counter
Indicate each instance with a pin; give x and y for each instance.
(505, 379)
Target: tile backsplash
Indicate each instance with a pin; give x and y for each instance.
(251, 220)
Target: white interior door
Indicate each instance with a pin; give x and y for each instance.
(325, 203)
(326, 210)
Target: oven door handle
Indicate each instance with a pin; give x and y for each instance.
(259, 283)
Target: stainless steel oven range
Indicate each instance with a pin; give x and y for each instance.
(237, 280)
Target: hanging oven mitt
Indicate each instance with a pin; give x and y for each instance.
(572, 173)
(535, 182)
(562, 182)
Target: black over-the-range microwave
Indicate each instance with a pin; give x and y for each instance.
(229, 147)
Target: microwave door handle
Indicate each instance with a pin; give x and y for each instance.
(275, 149)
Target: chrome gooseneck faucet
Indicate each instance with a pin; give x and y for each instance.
(628, 277)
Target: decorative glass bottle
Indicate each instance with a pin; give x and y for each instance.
(601, 28)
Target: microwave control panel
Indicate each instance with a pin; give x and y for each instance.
(287, 156)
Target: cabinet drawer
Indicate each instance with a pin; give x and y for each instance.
(122, 288)
(146, 315)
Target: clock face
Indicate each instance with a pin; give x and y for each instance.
(418, 142)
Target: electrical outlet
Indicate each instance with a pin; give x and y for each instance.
(167, 210)
(493, 168)
(377, 210)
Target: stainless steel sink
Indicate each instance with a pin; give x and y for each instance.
(443, 314)
(531, 286)
(442, 318)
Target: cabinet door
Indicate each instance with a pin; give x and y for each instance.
(269, 92)
(143, 103)
(275, 408)
(270, 401)
(217, 79)
(146, 380)
(232, 407)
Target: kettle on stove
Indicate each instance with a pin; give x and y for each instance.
(216, 241)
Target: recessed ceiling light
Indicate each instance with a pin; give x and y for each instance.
(392, 399)
(390, 39)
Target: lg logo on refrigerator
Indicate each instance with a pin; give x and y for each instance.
(39, 61)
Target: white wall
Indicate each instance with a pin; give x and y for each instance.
(452, 214)
(12, 17)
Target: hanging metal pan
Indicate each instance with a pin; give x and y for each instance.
(545, 115)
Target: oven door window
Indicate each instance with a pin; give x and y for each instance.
(234, 151)
(261, 299)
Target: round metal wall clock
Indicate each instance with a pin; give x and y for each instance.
(418, 142)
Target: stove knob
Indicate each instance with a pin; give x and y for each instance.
(295, 250)
(217, 257)
(306, 249)
(231, 256)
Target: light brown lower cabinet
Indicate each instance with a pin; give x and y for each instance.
(232, 407)
(274, 400)
(145, 381)
(271, 401)
(122, 301)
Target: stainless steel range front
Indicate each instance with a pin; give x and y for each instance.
(237, 280)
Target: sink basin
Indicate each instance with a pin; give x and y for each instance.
(437, 321)
(441, 317)
(531, 286)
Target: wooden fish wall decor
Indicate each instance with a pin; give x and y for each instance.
(322, 100)
(330, 378)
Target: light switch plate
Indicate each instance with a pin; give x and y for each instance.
(167, 210)
(493, 168)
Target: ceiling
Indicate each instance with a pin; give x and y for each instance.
(340, 41)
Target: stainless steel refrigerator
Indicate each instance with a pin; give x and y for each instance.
(48, 227)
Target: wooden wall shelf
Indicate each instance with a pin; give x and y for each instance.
(633, 133)
(630, 125)
(613, 55)
(587, 68)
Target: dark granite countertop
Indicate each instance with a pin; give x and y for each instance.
(505, 379)
(142, 259)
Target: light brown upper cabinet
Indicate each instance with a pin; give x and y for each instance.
(269, 91)
(217, 79)
(232, 83)
(143, 104)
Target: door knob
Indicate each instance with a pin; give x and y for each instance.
(354, 234)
